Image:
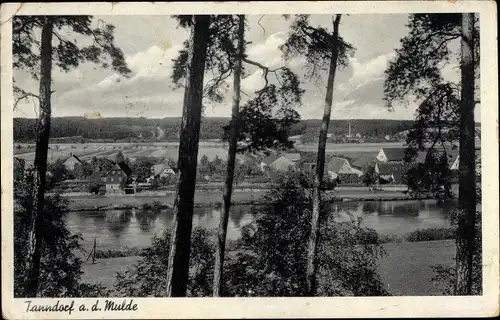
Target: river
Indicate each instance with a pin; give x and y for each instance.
(119, 229)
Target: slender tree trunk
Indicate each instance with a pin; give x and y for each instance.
(231, 161)
(180, 246)
(40, 163)
(467, 176)
(320, 165)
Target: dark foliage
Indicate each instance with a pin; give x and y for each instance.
(60, 267)
(265, 121)
(148, 277)
(67, 53)
(269, 259)
(79, 129)
(314, 43)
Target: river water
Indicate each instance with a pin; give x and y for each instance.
(118, 229)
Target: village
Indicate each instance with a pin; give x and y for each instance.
(115, 174)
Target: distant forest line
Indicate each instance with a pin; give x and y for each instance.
(133, 129)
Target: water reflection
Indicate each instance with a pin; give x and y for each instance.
(369, 207)
(116, 229)
(118, 220)
(399, 209)
(146, 219)
(237, 214)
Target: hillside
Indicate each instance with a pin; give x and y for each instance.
(81, 129)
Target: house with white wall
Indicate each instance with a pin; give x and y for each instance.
(337, 166)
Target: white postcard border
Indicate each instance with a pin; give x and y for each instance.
(486, 305)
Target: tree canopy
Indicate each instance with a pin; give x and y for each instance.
(67, 53)
(272, 105)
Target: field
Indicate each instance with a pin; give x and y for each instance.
(109, 150)
(170, 150)
(406, 269)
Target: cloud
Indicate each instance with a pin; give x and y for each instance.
(268, 49)
(371, 69)
(358, 91)
(147, 92)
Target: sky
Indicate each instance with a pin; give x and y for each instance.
(151, 42)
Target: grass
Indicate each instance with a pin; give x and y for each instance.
(422, 235)
(155, 206)
(128, 252)
(406, 269)
(430, 234)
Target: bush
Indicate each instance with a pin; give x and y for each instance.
(156, 206)
(447, 274)
(128, 252)
(270, 258)
(349, 178)
(148, 277)
(431, 234)
(60, 268)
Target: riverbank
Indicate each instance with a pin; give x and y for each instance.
(213, 198)
(406, 268)
(420, 235)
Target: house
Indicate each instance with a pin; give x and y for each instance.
(363, 160)
(97, 182)
(293, 157)
(264, 163)
(162, 170)
(392, 172)
(116, 177)
(71, 162)
(452, 155)
(247, 159)
(391, 155)
(338, 166)
(281, 164)
(308, 161)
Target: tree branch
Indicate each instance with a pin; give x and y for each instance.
(24, 95)
(265, 71)
(258, 22)
(440, 33)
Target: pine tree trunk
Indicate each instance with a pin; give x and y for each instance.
(40, 163)
(467, 176)
(180, 246)
(231, 161)
(320, 166)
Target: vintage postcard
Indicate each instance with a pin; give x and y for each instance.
(249, 160)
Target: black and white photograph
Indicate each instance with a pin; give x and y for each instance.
(211, 153)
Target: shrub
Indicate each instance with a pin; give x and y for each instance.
(349, 178)
(128, 252)
(431, 234)
(270, 258)
(60, 268)
(148, 277)
(447, 274)
(156, 206)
